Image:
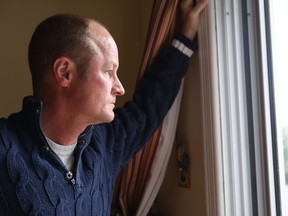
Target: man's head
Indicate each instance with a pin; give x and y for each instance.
(77, 60)
(58, 35)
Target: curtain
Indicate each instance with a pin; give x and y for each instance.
(141, 179)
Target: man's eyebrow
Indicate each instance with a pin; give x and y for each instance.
(114, 65)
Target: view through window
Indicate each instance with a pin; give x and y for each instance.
(279, 39)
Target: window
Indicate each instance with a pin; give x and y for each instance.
(244, 84)
(279, 88)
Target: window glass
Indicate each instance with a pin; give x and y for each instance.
(279, 35)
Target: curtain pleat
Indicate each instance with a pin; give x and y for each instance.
(162, 156)
(134, 177)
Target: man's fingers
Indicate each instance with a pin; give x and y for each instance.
(188, 6)
(190, 16)
(187, 3)
(200, 6)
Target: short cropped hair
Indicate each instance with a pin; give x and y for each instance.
(59, 35)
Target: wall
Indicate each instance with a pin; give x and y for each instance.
(19, 18)
(173, 200)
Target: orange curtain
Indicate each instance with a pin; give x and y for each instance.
(134, 177)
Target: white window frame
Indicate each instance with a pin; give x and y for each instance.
(224, 104)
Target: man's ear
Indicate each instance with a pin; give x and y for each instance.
(63, 70)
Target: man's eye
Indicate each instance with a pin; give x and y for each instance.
(109, 72)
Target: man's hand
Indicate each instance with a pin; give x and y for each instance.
(190, 13)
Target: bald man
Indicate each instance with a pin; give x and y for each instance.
(61, 153)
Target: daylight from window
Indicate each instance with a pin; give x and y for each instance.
(279, 33)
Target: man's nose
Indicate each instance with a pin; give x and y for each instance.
(118, 88)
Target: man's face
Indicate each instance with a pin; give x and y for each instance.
(96, 95)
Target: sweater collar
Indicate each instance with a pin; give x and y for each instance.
(32, 108)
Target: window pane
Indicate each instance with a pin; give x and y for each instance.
(279, 35)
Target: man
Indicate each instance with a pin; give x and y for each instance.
(61, 153)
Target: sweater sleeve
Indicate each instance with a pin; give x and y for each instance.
(138, 119)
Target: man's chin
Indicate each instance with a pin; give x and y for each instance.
(110, 118)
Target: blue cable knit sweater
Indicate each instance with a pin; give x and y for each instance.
(34, 181)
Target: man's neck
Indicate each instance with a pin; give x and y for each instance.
(61, 128)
